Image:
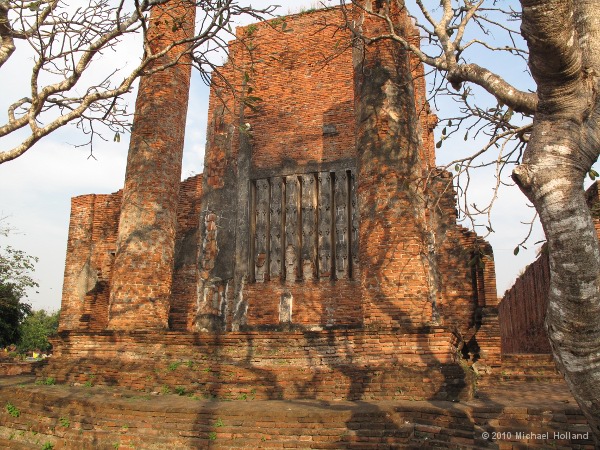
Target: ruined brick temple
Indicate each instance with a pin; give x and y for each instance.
(317, 256)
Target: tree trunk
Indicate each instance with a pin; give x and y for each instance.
(564, 144)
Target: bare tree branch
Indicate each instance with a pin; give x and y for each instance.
(68, 43)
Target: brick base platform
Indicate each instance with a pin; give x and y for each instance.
(519, 415)
(526, 367)
(325, 365)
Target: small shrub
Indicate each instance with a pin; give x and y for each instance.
(12, 410)
(173, 366)
(65, 422)
(165, 390)
(219, 423)
(180, 390)
(46, 382)
(212, 436)
(251, 29)
(47, 446)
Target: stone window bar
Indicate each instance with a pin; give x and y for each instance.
(304, 227)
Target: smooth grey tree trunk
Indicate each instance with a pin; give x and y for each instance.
(564, 43)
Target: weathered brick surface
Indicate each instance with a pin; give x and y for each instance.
(90, 254)
(332, 364)
(303, 78)
(185, 274)
(17, 368)
(142, 274)
(394, 275)
(527, 367)
(97, 418)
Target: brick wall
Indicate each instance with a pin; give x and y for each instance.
(185, 273)
(90, 254)
(523, 310)
(332, 364)
(302, 74)
(82, 418)
(393, 247)
(91, 248)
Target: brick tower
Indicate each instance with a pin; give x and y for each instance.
(143, 268)
(391, 168)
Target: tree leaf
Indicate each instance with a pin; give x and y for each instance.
(516, 250)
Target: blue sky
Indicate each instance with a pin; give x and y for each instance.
(35, 189)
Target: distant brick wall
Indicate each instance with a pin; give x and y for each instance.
(523, 310)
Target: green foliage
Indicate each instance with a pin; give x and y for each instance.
(65, 422)
(35, 330)
(12, 312)
(46, 382)
(251, 29)
(180, 390)
(173, 366)
(16, 267)
(12, 410)
(47, 446)
(212, 436)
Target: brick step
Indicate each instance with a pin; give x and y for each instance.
(491, 380)
(340, 364)
(104, 418)
(12, 444)
(524, 368)
(527, 360)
